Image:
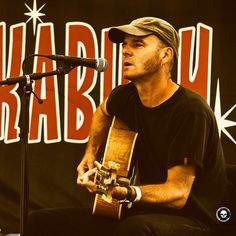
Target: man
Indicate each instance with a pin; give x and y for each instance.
(182, 179)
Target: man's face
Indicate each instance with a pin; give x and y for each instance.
(141, 56)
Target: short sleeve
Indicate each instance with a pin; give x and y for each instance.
(189, 141)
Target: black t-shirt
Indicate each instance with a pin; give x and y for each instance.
(181, 129)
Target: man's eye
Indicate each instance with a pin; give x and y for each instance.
(137, 45)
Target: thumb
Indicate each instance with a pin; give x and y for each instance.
(98, 165)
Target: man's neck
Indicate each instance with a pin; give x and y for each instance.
(155, 91)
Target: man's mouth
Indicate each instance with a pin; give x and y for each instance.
(127, 64)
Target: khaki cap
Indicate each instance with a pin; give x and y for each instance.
(146, 26)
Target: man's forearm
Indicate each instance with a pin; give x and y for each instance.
(172, 194)
(98, 132)
(165, 195)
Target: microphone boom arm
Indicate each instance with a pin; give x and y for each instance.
(36, 76)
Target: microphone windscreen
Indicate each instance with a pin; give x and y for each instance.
(101, 64)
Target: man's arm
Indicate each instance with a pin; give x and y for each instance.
(173, 193)
(98, 133)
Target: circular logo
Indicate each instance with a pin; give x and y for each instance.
(223, 214)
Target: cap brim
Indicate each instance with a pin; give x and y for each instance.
(117, 34)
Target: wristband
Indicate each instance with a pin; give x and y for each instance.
(138, 194)
(129, 194)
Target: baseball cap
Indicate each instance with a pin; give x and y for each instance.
(146, 26)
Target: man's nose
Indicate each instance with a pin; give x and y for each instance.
(126, 51)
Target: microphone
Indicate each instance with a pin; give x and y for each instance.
(99, 64)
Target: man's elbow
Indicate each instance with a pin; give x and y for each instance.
(182, 200)
(180, 203)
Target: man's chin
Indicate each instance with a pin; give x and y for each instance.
(129, 77)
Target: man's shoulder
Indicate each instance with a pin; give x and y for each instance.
(194, 102)
(193, 98)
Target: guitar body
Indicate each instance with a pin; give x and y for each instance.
(118, 150)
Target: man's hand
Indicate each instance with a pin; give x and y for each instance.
(119, 192)
(86, 172)
(86, 164)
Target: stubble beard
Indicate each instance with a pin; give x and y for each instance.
(150, 67)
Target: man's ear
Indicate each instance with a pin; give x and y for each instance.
(167, 54)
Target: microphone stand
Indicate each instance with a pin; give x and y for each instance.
(25, 83)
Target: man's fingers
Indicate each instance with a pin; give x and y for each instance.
(86, 176)
(91, 186)
(98, 165)
(83, 179)
(81, 172)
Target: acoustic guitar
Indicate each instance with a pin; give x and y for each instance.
(115, 168)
